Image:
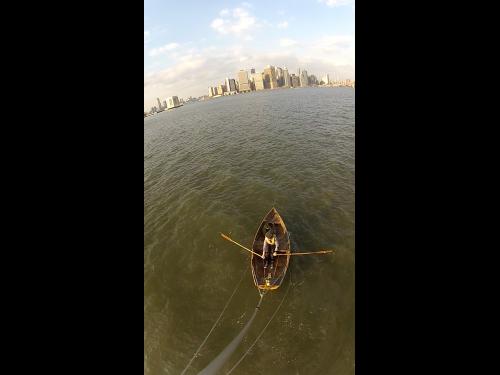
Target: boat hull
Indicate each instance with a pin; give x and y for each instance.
(264, 277)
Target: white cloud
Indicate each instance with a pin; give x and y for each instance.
(235, 22)
(332, 49)
(336, 3)
(282, 25)
(285, 42)
(147, 35)
(332, 43)
(161, 50)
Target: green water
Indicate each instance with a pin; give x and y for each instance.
(219, 166)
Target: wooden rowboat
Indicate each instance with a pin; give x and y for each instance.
(267, 278)
(264, 278)
(270, 278)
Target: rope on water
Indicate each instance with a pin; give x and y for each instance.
(215, 324)
(262, 332)
(213, 367)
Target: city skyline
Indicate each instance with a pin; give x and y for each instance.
(188, 50)
(272, 77)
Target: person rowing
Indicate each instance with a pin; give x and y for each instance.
(270, 246)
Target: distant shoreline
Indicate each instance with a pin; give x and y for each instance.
(207, 98)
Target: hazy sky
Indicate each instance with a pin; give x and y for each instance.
(190, 45)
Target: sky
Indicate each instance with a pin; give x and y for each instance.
(191, 45)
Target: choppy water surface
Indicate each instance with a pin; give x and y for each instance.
(219, 166)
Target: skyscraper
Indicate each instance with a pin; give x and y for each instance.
(259, 81)
(304, 80)
(220, 90)
(295, 81)
(173, 102)
(252, 79)
(286, 78)
(270, 78)
(279, 76)
(230, 85)
(244, 83)
(159, 104)
(326, 79)
(211, 91)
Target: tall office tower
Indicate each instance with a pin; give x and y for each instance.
(252, 71)
(286, 78)
(173, 102)
(220, 90)
(230, 85)
(164, 104)
(295, 80)
(252, 81)
(304, 80)
(279, 76)
(244, 83)
(326, 79)
(159, 104)
(259, 81)
(270, 78)
(211, 91)
(313, 80)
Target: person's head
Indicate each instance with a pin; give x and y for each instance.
(270, 233)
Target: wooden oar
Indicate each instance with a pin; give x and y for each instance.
(308, 253)
(253, 252)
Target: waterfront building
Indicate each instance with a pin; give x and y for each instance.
(252, 79)
(259, 81)
(221, 89)
(243, 81)
(230, 86)
(252, 71)
(326, 79)
(270, 78)
(211, 91)
(304, 80)
(295, 81)
(286, 78)
(279, 76)
(159, 104)
(173, 102)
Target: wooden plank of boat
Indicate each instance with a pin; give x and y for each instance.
(266, 278)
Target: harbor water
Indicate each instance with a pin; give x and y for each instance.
(219, 166)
